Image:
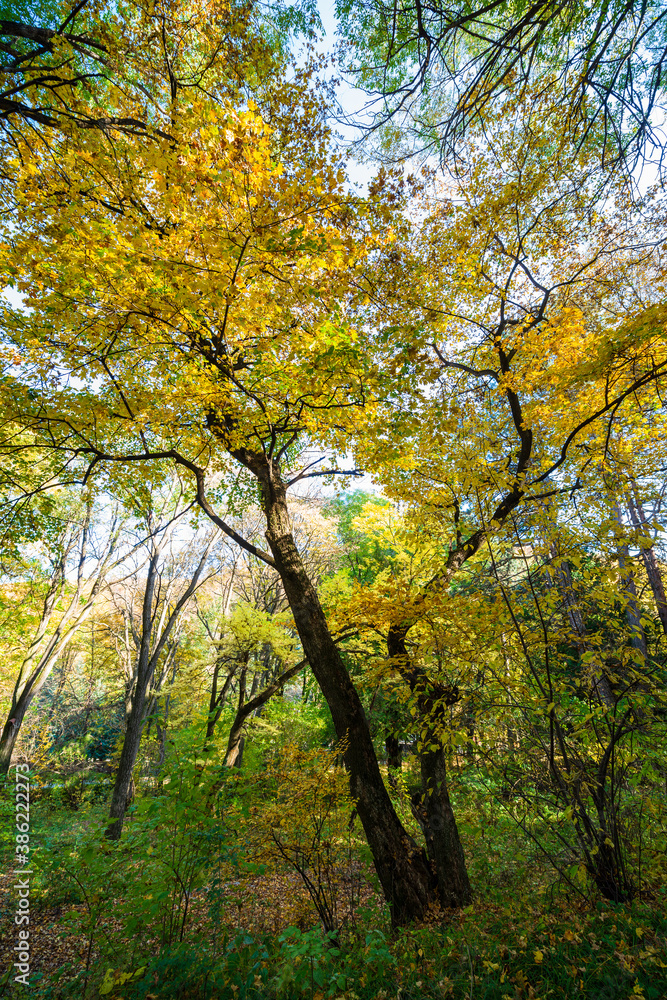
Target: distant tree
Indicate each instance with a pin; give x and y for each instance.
(153, 621)
(77, 563)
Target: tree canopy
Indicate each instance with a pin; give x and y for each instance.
(231, 654)
(439, 69)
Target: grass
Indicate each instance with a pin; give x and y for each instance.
(525, 936)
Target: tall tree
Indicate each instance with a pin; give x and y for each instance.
(226, 303)
(506, 292)
(165, 596)
(86, 552)
(258, 221)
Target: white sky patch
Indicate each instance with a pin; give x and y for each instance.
(352, 101)
(13, 297)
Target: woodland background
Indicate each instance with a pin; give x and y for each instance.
(332, 554)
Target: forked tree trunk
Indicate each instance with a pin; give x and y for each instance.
(247, 708)
(217, 700)
(432, 805)
(43, 652)
(149, 655)
(233, 757)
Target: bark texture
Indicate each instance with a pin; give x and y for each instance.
(442, 836)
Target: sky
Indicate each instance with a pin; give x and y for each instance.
(352, 99)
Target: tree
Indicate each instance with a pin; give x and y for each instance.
(497, 336)
(263, 295)
(438, 71)
(240, 306)
(48, 63)
(153, 625)
(416, 685)
(213, 615)
(87, 551)
(593, 747)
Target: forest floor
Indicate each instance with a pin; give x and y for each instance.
(524, 937)
(260, 904)
(524, 946)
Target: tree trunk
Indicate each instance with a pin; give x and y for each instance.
(238, 763)
(136, 717)
(442, 836)
(656, 584)
(432, 805)
(43, 652)
(217, 701)
(254, 704)
(394, 757)
(235, 742)
(30, 682)
(25, 692)
(149, 655)
(11, 729)
(650, 563)
(632, 615)
(402, 867)
(124, 776)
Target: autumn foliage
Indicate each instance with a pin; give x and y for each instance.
(295, 738)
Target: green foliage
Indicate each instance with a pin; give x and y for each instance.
(366, 553)
(289, 20)
(501, 952)
(303, 725)
(174, 845)
(129, 900)
(44, 13)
